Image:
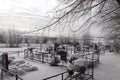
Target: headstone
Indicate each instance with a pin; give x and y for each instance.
(5, 61)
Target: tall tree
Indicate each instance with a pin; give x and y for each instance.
(86, 39)
(13, 38)
(88, 12)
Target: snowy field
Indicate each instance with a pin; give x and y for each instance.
(44, 69)
(108, 69)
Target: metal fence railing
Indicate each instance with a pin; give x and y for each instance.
(11, 73)
(61, 75)
(93, 59)
(40, 57)
(12, 52)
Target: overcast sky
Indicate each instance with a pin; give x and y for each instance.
(24, 14)
(27, 15)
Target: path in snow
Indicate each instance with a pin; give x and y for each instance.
(44, 70)
(109, 67)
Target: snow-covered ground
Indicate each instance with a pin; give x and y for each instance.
(11, 49)
(44, 69)
(108, 69)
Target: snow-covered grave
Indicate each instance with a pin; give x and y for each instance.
(22, 66)
(26, 69)
(108, 69)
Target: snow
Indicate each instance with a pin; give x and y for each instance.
(44, 69)
(108, 69)
(12, 49)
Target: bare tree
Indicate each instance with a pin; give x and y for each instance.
(2, 36)
(88, 12)
(44, 40)
(86, 39)
(13, 38)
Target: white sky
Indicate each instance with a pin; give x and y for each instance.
(26, 15)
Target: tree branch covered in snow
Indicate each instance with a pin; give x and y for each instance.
(86, 13)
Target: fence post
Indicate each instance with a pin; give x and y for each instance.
(62, 76)
(16, 77)
(42, 57)
(1, 74)
(92, 66)
(98, 57)
(18, 53)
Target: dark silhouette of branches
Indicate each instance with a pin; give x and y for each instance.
(86, 12)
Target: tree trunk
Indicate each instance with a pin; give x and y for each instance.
(118, 2)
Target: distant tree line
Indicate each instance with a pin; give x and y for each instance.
(13, 38)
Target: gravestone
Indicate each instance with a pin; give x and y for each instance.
(5, 61)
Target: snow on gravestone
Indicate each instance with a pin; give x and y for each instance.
(79, 63)
(16, 69)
